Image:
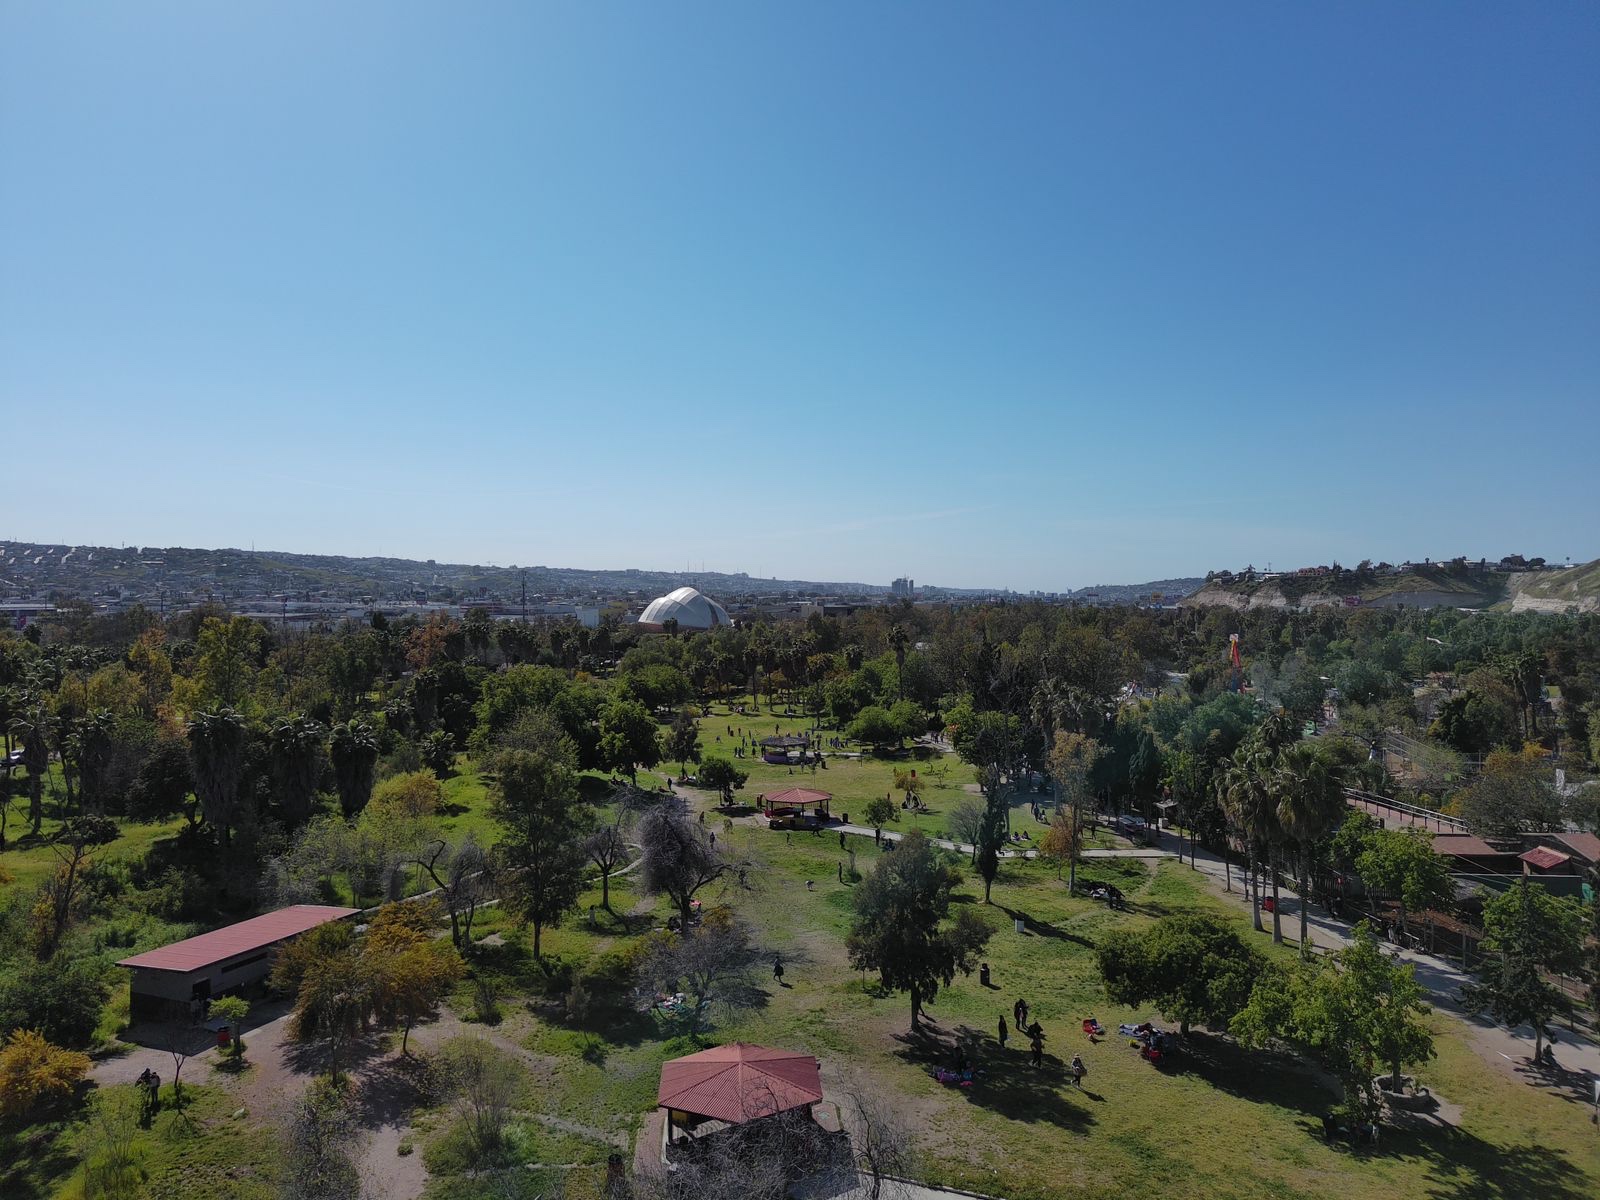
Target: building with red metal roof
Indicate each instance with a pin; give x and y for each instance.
(736, 1084)
(172, 980)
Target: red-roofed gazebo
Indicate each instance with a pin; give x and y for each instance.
(736, 1084)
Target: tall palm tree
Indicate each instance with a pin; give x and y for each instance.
(1247, 799)
(899, 642)
(219, 744)
(1310, 792)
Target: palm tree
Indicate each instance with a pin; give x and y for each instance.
(219, 749)
(1310, 794)
(354, 750)
(1247, 799)
(899, 641)
(297, 763)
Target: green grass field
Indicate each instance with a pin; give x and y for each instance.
(1222, 1123)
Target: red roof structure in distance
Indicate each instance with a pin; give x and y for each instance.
(740, 1082)
(191, 954)
(1543, 858)
(798, 796)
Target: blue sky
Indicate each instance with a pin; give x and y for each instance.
(1027, 295)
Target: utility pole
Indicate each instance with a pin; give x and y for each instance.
(524, 597)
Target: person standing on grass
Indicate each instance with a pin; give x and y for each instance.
(1036, 1047)
(1003, 1031)
(1078, 1070)
(777, 966)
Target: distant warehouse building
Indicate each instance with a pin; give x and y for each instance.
(167, 982)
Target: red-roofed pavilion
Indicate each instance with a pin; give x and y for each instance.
(736, 1084)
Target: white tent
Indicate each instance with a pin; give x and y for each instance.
(687, 607)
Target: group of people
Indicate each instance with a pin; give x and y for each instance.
(1034, 1031)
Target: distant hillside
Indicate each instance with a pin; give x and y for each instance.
(41, 569)
(1162, 591)
(1556, 591)
(1457, 585)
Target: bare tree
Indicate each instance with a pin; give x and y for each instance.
(755, 1161)
(966, 822)
(679, 856)
(882, 1145)
(316, 1163)
(482, 1084)
(461, 875)
(714, 964)
(606, 850)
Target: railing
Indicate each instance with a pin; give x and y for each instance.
(1413, 815)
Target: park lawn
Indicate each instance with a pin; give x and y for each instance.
(212, 1153)
(1226, 1122)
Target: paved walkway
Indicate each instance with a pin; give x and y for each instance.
(890, 835)
(1577, 1059)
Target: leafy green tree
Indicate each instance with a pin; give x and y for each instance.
(536, 803)
(1515, 793)
(354, 751)
(1401, 864)
(900, 928)
(1527, 934)
(331, 986)
(1355, 1015)
(991, 742)
(874, 726)
(60, 996)
(684, 739)
(628, 737)
(233, 1010)
(1193, 968)
(879, 812)
(720, 773)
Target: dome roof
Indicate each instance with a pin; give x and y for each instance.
(687, 607)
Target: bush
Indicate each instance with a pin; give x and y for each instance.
(36, 1075)
(60, 998)
(413, 794)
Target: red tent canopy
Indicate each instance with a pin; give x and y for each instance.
(740, 1082)
(798, 797)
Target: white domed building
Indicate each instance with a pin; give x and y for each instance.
(688, 608)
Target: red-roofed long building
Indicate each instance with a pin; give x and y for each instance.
(167, 981)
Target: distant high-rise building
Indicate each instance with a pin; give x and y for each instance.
(903, 587)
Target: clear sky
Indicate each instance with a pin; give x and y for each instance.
(1027, 295)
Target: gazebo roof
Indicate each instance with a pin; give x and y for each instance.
(786, 740)
(799, 797)
(740, 1082)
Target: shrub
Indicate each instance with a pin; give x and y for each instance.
(35, 1074)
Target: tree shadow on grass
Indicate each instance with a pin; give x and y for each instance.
(1553, 1077)
(1262, 1076)
(311, 1058)
(389, 1089)
(1033, 927)
(1462, 1166)
(1006, 1085)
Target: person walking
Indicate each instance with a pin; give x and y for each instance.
(1036, 1047)
(1078, 1070)
(777, 965)
(1019, 1013)
(1003, 1031)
